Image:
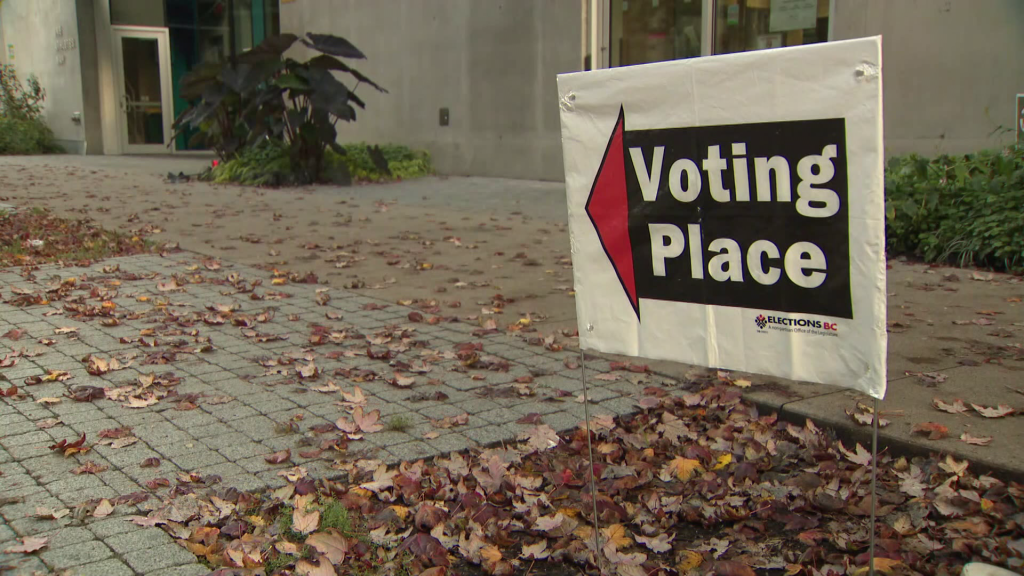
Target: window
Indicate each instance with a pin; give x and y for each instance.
(645, 31)
(742, 25)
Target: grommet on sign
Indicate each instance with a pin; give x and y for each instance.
(567, 102)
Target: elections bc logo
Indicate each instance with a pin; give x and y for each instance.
(799, 325)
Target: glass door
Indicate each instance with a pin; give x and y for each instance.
(144, 89)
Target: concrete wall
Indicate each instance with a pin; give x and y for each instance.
(492, 63)
(952, 69)
(31, 26)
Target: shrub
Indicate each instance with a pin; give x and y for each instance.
(957, 209)
(22, 130)
(265, 164)
(17, 100)
(268, 164)
(402, 163)
(26, 136)
(261, 94)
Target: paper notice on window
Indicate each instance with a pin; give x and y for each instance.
(792, 15)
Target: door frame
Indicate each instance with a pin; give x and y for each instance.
(162, 37)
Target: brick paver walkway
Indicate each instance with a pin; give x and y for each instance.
(166, 309)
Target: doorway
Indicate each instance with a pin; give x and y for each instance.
(142, 77)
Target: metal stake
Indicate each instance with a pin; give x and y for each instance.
(590, 447)
(874, 480)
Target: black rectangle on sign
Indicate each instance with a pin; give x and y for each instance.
(748, 215)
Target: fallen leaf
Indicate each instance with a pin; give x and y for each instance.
(680, 468)
(997, 412)
(305, 522)
(935, 431)
(540, 438)
(369, 422)
(689, 562)
(660, 543)
(307, 568)
(50, 513)
(278, 457)
(104, 508)
(957, 407)
(28, 545)
(731, 568)
(330, 544)
(976, 440)
(538, 551)
(151, 462)
(883, 565)
(89, 467)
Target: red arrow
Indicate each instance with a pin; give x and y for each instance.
(608, 209)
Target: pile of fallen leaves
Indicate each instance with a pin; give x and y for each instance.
(698, 483)
(32, 237)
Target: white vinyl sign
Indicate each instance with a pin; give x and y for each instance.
(728, 211)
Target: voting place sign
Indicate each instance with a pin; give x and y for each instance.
(728, 211)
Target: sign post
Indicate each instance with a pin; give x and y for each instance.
(728, 212)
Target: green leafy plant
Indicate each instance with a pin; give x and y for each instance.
(263, 95)
(383, 163)
(17, 100)
(957, 209)
(22, 129)
(268, 164)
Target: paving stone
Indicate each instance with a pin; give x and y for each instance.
(217, 429)
(68, 536)
(108, 527)
(91, 426)
(478, 406)
(76, 555)
(133, 540)
(283, 442)
(256, 464)
(451, 443)
(26, 565)
(122, 457)
(111, 567)
(28, 439)
(620, 406)
(256, 427)
(27, 507)
(31, 526)
(488, 435)
(153, 559)
(198, 460)
(239, 449)
(21, 486)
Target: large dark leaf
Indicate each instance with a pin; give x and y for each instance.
(243, 77)
(329, 94)
(333, 45)
(270, 49)
(331, 63)
(291, 81)
(198, 79)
